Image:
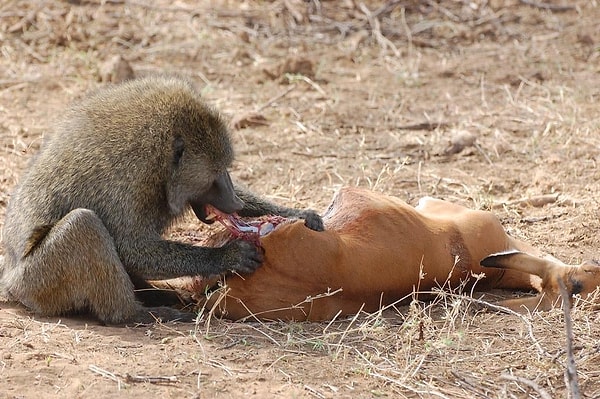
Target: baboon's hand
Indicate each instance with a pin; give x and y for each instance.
(242, 257)
(312, 220)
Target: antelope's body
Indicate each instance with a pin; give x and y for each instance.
(376, 250)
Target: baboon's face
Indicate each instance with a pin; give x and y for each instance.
(202, 153)
(221, 195)
(200, 176)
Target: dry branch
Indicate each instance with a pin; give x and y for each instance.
(383, 41)
(571, 369)
(551, 7)
(274, 99)
(107, 374)
(531, 384)
(313, 391)
(424, 126)
(537, 201)
(150, 379)
(120, 379)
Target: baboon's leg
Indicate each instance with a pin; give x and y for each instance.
(76, 267)
(151, 295)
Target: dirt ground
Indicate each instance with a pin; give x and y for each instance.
(482, 102)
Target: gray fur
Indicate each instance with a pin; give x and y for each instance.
(118, 170)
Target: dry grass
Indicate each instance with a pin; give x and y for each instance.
(388, 87)
(449, 346)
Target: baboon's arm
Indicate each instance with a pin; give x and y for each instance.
(163, 259)
(255, 206)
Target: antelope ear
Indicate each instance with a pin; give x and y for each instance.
(516, 260)
(499, 259)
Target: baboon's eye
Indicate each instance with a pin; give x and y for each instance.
(178, 148)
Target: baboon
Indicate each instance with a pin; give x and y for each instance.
(86, 222)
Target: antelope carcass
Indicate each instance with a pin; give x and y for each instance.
(376, 250)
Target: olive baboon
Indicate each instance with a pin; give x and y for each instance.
(86, 222)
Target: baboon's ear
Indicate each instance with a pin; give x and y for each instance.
(178, 147)
(516, 260)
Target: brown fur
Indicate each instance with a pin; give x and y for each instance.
(378, 250)
(121, 167)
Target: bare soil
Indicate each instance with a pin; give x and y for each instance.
(483, 102)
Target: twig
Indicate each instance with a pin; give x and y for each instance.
(473, 386)
(544, 6)
(308, 300)
(347, 330)
(29, 50)
(536, 201)
(420, 393)
(312, 84)
(297, 15)
(383, 41)
(277, 97)
(386, 8)
(334, 318)
(483, 153)
(571, 369)
(264, 333)
(424, 126)
(107, 374)
(218, 365)
(24, 22)
(148, 5)
(150, 379)
(131, 378)
(443, 10)
(313, 391)
(531, 384)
